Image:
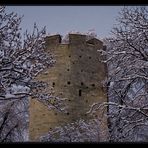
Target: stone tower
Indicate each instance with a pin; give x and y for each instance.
(77, 75)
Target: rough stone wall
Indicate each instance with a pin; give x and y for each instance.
(77, 75)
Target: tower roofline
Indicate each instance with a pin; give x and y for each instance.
(74, 38)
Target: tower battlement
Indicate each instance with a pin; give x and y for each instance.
(73, 39)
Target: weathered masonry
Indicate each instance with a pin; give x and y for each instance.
(77, 75)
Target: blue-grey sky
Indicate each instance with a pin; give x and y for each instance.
(63, 19)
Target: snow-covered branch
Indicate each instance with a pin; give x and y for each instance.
(78, 131)
(127, 60)
(20, 63)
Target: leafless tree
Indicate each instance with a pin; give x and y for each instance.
(13, 124)
(21, 60)
(127, 82)
(79, 131)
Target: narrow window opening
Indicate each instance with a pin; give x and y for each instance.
(53, 84)
(89, 57)
(80, 93)
(93, 85)
(82, 83)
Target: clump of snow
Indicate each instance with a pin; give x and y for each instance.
(19, 89)
(9, 96)
(15, 90)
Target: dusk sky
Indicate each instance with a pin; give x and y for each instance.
(63, 19)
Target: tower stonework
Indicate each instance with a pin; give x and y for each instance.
(77, 76)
